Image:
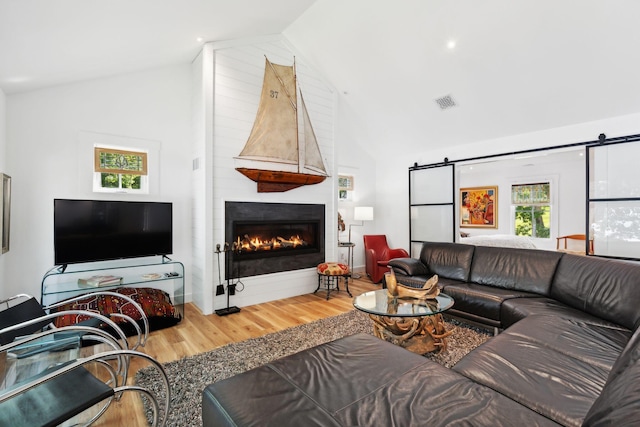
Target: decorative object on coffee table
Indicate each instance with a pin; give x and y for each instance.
(429, 290)
(412, 323)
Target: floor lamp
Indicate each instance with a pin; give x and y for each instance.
(360, 213)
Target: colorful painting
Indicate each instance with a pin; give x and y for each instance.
(479, 207)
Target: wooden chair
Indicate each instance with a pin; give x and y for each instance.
(577, 237)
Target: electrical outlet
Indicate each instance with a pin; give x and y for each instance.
(342, 258)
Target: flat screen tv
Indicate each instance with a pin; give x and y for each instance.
(101, 230)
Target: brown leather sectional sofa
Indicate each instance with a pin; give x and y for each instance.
(568, 353)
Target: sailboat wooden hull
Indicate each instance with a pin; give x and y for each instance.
(278, 181)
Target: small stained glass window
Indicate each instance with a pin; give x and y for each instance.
(108, 160)
(119, 169)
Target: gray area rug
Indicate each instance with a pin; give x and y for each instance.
(189, 376)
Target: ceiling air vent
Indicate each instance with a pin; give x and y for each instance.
(446, 102)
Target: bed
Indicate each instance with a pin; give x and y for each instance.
(501, 240)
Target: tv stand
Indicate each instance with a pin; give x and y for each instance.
(61, 282)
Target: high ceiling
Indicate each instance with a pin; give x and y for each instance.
(47, 42)
(511, 67)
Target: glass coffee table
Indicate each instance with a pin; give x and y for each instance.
(415, 324)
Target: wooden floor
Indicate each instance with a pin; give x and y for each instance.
(197, 333)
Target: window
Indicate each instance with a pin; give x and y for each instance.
(532, 209)
(118, 170)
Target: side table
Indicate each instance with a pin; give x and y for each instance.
(349, 246)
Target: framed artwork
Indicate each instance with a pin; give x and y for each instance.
(345, 182)
(478, 207)
(343, 195)
(5, 211)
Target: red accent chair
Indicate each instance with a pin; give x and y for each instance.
(377, 255)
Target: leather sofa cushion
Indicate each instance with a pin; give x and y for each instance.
(408, 267)
(358, 380)
(618, 404)
(481, 300)
(523, 269)
(628, 357)
(433, 395)
(609, 289)
(306, 388)
(260, 397)
(448, 260)
(516, 309)
(554, 366)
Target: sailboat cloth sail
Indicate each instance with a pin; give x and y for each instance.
(274, 137)
(312, 156)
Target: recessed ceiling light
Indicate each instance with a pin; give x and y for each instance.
(199, 39)
(451, 44)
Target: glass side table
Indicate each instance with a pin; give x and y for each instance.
(28, 360)
(415, 324)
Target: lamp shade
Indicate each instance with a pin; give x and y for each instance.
(363, 213)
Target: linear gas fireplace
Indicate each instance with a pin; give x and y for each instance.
(273, 237)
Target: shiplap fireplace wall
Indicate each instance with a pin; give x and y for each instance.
(227, 83)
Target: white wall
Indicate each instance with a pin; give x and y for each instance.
(356, 161)
(202, 172)
(45, 154)
(238, 68)
(3, 168)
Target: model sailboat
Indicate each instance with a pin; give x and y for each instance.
(282, 152)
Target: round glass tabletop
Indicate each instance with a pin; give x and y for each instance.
(380, 303)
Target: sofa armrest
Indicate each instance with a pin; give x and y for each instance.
(408, 266)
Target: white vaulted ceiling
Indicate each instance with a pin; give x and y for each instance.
(46, 42)
(511, 67)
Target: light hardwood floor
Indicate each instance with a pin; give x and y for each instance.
(197, 333)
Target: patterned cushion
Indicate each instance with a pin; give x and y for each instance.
(155, 303)
(333, 269)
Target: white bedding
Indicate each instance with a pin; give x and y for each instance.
(502, 240)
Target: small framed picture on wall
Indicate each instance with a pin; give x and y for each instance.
(345, 182)
(478, 207)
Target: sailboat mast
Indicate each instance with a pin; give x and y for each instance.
(295, 85)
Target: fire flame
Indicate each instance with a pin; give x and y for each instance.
(252, 244)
